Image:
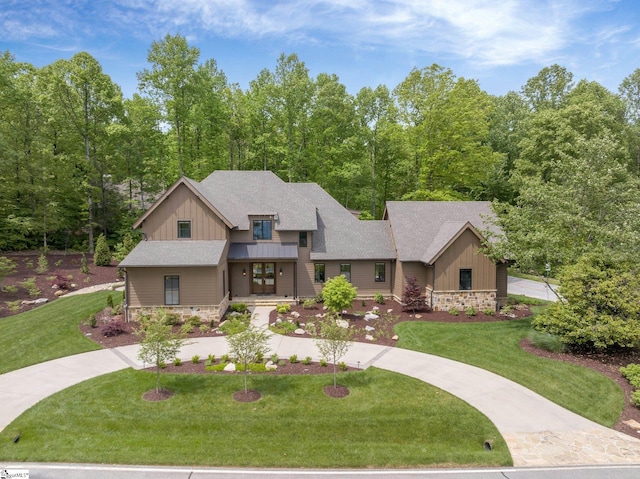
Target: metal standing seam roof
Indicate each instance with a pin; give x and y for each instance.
(238, 251)
(422, 228)
(239, 194)
(175, 253)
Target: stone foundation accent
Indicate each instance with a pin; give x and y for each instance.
(207, 313)
(445, 300)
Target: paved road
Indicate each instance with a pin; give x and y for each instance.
(531, 289)
(88, 471)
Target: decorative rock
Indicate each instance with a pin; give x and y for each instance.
(343, 323)
(54, 286)
(278, 321)
(299, 332)
(320, 315)
(375, 308)
(295, 314)
(35, 301)
(270, 366)
(370, 316)
(74, 285)
(369, 328)
(368, 337)
(395, 337)
(60, 292)
(324, 308)
(344, 311)
(234, 314)
(230, 367)
(418, 316)
(389, 311)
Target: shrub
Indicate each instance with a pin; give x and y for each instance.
(293, 359)
(13, 305)
(186, 328)
(632, 373)
(195, 359)
(43, 264)
(224, 358)
(58, 263)
(30, 286)
(412, 297)
(60, 281)
(379, 298)
(470, 311)
(92, 322)
(123, 248)
(110, 301)
(203, 327)
(7, 266)
(239, 307)
(177, 362)
(194, 321)
(84, 267)
(319, 299)
(343, 366)
(489, 311)
(507, 309)
(323, 363)
(454, 311)
(113, 328)
(11, 289)
(283, 308)
(307, 360)
(211, 357)
(339, 294)
(236, 324)
(274, 358)
(168, 317)
(117, 309)
(546, 341)
(102, 255)
(635, 397)
(309, 304)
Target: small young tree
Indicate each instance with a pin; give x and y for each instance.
(7, 266)
(43, 264)
(333, 341)
(338, 294)
(247, 346)
(158, 343)
(412, 297)
(102, 255)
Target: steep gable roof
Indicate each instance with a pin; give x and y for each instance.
(195, 188)
(239, 194)
(340, 235)
(422, 230)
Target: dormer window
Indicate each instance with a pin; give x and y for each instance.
(184, 229)
(261, 229)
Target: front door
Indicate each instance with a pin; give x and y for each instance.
(264, 278)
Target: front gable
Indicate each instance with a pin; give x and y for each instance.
(182, 204)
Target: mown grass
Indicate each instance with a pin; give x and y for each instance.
(49, 331)
(495, 347)
(388, 420)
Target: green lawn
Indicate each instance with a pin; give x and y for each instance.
(388, 420)
(495, 347)
(49, 331)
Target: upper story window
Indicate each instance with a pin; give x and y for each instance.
(302, 241)
(380, 273)
(465, 279)
(261, 229)
(345, 270)
(184, 228)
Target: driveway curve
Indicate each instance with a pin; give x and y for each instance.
(537, 431)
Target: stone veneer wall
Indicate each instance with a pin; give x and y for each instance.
(207, 313)
(445, 300)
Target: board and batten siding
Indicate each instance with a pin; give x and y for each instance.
(198, 286)
(463, 254)
(246, 236)
(182, 204)
(410, 269)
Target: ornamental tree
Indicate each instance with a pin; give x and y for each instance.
(248, 346)
(332, 340)
(339, 294)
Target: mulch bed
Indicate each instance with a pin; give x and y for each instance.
(161, 395)
(67, 265)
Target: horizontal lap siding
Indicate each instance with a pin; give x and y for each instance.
(464, 254)
(411, 269)
(246, 236)
(362, 277)
(182, 204)
(198, 286)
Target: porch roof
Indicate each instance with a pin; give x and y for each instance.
(175, 253)
(239, 251)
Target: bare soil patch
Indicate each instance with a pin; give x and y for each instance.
(67, 265)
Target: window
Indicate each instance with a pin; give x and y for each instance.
(171, 290)
(465, 279)
(380, 276)
(345, 269)
(184, 229)
(319, 272)
(302, 241)
(261, 229)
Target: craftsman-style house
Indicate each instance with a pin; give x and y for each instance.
(247, 235)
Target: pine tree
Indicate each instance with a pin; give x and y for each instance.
(102, 256)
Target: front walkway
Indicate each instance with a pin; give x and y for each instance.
(537, 431)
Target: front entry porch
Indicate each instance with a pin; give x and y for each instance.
(263, 300)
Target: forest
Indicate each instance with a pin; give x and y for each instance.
(560, 157)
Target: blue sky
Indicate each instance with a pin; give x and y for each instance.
(500, 43)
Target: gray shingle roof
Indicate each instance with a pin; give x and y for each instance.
(238, 194)
(340, 235)
(422, 228)
(175, 253)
